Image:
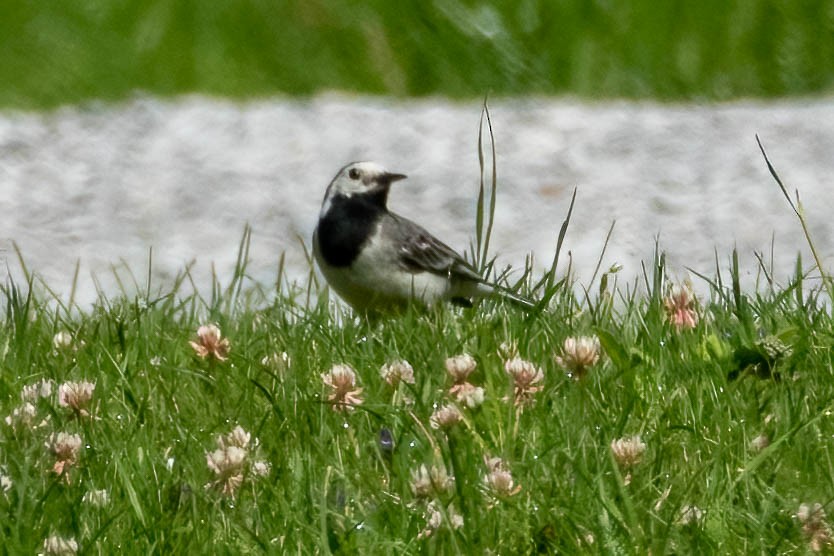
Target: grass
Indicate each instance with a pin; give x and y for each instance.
(756, 365)
(62, 52)
(333, 487)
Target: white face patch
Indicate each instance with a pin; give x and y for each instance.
(354, 179)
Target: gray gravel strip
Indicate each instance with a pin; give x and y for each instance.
(103, 183)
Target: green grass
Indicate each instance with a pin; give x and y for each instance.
(332, 488)
(757, 363)
(62, 52)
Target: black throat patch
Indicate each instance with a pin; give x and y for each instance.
(347, 227)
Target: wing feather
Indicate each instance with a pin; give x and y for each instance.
(419, 251)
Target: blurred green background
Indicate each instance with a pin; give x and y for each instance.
(65, 51)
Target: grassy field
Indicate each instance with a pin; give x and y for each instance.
(61, 52)
(734, 417)
(629, 419)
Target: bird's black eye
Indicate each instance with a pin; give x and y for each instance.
(353, 174)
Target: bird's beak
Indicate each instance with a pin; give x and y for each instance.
(390, 178)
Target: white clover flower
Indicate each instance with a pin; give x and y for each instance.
(76, 396)
(469, 395)
(460, 367)
(33, 392)
(499, 479)
(628, 451)
(579, 354)
(55, 545)
(62, 340)
(396, 372)
(434, 519)
(341, 379)
(445, 417)
(97, 498)
(261, 468)
(278, 362)
(22, 417)
(426, 482)
(211, 343)
(6, 482)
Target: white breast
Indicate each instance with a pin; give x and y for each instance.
(376, 280)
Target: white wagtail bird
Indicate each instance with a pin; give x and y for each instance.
(379, 261)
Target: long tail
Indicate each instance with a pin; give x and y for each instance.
(517, 300)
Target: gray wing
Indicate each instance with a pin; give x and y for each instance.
(419, 251)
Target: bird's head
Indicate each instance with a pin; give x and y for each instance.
(361, 179)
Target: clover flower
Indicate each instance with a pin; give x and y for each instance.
(468, 394)
(578, 355)
(815, 527)
(76, 396)
(396, 372)
(55, 545)
(434, 519)
(445, 417)
(278, 362)
(427, 482)
(628, 451)
(65, 447)
(499, 480)
(232, 459)
(23, 416)
(228, 465)
(680, 306)
(210, 343)
(62, 340)
(261, 468)
(526, 378)
(33, 392)
(341, 379)
(460, 367)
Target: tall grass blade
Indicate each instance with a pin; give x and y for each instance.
(800, 213)
(563, 230)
